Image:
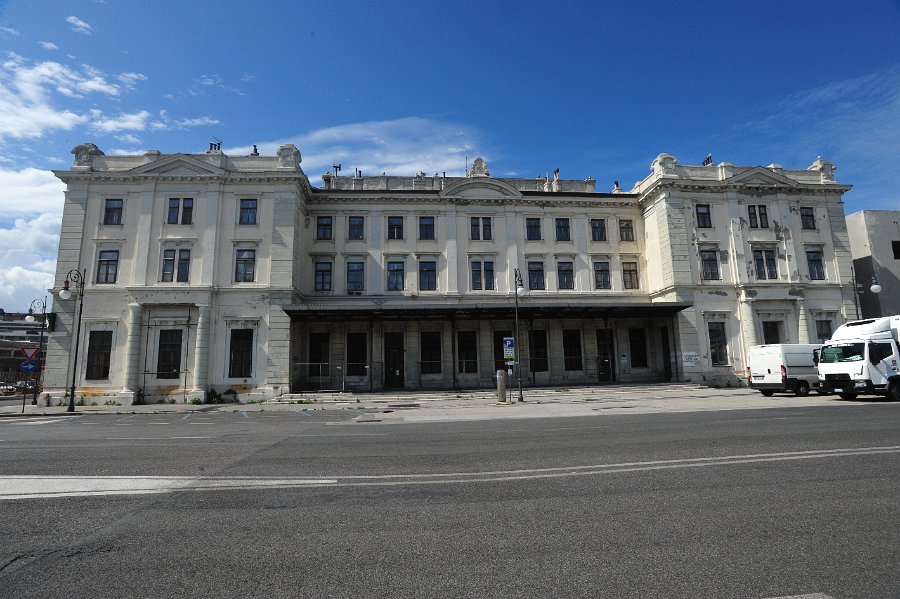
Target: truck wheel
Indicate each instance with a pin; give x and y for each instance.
(848, 396)
(768, 393)
(802, 389)
(893, 393)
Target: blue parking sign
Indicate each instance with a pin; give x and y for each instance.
(509, 347)
(27, 366)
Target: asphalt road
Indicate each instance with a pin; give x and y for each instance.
(733, 504)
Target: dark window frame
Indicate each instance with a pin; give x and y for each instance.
(563, 229)
(532, 229)
(430, 360)
(815, 261)
(170, 346)
(356, 228)
(324, 228)
(718, 343)
(573, 356)
(765, 264)
(99, 354)
(245, 265)
(426, 228)
(247, 211)
(598, 229)
(538, 355)
(357, 347)
(467, 352)
(704, 216)
(395, 227)
(113, 209)
(240, 353)
(536, 279)
(602, 275)
(427, 275)
(565, 275)
(396, 275)
(709, 262)
(356, 275)
(637, 345)
(808, 218)
(626, 230)
(107, 267)
(324, 275)
(631, 278)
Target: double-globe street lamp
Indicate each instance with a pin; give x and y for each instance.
(520, 291)
(74, 279)
(35, 306)
(859, 288)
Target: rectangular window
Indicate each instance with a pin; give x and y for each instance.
(601, 276)
(356, 276)
(598, 229)
(168, 266)
(324, 226)
(107, 266)
(240, 355)
(807, 218)
(480, 228)
(245, 266)
(533, 229)
(476, 275)
(630, 278)
(709, 259)
(764, 261)
(563, 233)
(395, 276)
(758, 216)
(395, 227)
(357, 350)
(168, 361)
(112, 212)
(319, 354)
(184, 266)
(816, 265)
(427, 276)
(535, 275)
(174, 211)
(467, 352)
(539, 360)
(718, 343)
(248, 212)
(823, 330)
(98, 354)
(426, 227)
(895, 247)
(626, 230)
(488, 275)
(430, 352)
(356, 228)
(572, 349)
(323, 276)
(637, 342)
(565, 274)
(704, 217)
(180, 207)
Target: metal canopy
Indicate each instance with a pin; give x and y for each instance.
(481, 312)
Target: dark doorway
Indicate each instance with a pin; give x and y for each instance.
(499, 360)
(666, 354)
(606, 354)
(393, 361)
(771, 331)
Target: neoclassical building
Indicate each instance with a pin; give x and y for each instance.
(234, 272)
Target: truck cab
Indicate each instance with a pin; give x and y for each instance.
(862, 358)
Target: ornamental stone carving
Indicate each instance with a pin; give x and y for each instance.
(479, 168)
(289, 156)
(85, 152)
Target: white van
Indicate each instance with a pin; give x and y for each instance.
(783, 368)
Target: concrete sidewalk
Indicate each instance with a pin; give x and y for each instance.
(480, 404)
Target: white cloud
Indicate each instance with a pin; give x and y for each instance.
(30, 191)
(29, 107)
(130, 80)
(854, 123)
(196, 122)
(9, 31)
(79, 26)
(403, 146)
(27, 260)
(128, 138)
(48, 46)
(122, 122)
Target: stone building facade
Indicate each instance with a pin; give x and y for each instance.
(211, 271)
(875, 244)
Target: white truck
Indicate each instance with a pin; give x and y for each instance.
(783, 368)
(862, 358)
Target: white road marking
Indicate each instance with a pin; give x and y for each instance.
(812, 596)
(36, 421)
(24, 487)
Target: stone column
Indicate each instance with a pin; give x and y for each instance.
(748, 324)
(802, 323)
(132, 362)
(201, 350)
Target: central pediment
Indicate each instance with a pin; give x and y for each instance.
(761, 177)
(178, 165)
(480, 188)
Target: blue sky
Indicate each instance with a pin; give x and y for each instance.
(593, 88)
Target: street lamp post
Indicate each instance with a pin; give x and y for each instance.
(874, 288)
(42, 306)
(76, 279)
(520, 291)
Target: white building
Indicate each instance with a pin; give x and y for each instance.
(875, 244)
(210, 271)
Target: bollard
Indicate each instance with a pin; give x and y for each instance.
(501, 386)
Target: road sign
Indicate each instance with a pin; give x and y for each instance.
(30, 352)
(27, 366)
(509, 348)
